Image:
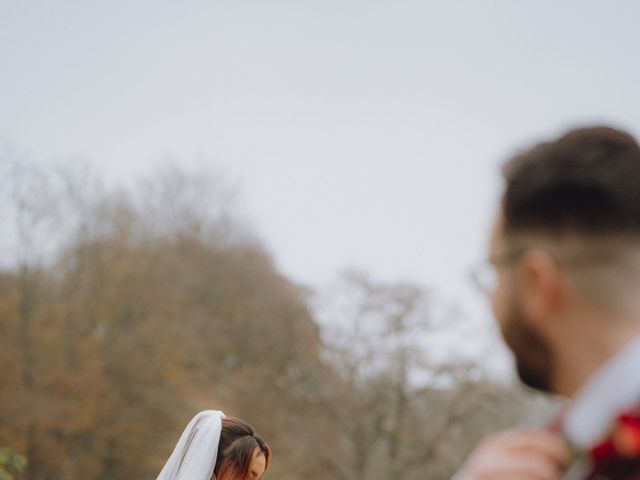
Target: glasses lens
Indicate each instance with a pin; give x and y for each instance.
(485, 278)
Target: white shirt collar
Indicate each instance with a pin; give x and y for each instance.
(613, 389)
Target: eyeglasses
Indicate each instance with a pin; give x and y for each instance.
(484, 275)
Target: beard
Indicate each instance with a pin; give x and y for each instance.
(532, 354)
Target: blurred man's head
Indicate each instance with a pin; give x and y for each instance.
(566, 247)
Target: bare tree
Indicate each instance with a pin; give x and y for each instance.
(405, 407)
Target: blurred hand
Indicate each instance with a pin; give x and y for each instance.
(518, 454)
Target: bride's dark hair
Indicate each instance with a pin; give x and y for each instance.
(238, 442)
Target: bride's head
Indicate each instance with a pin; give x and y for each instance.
(242, 455)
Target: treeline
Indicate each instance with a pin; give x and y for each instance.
(123, 311)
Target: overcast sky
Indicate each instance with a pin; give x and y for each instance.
(362, 133)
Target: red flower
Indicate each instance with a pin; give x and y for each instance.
(627, 437)
(622, 442)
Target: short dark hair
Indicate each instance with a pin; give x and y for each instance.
(586, 182)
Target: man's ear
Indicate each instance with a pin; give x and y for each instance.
(541, 286)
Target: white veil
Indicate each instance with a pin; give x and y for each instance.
(194, 457)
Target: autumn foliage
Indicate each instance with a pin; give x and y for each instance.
(125, 311)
